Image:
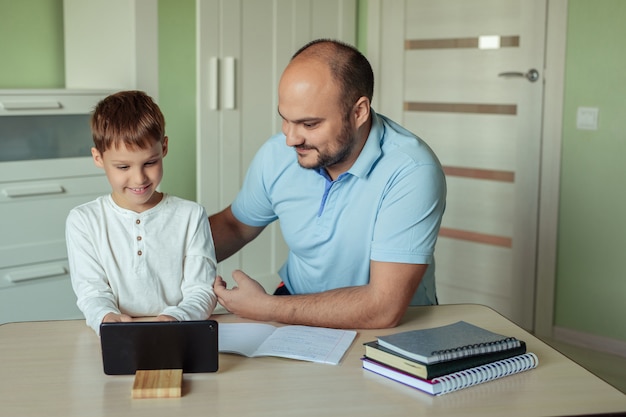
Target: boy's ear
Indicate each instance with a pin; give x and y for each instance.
(97, 158)
(165, 146)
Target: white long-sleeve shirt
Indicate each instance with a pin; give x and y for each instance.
(160, 261)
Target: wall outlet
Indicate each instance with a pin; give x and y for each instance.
(587, 118)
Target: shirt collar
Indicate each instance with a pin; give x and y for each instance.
(369, 154)
(371, 150)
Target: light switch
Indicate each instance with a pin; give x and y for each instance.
(587, 118)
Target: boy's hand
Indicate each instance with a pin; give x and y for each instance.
(165, 317)
(116, 318)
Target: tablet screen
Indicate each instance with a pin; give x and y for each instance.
(187, 345)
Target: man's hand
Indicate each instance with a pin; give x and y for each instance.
(246, 299)
(379, 304)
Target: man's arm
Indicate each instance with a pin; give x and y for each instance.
(229, 234)
(379, 304)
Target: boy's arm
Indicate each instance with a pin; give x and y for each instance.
(94, 296)
(199, 269)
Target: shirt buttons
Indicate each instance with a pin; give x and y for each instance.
(139, 238)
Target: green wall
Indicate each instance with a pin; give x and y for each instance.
(31, 44)
(361, 26)
(177, 94)
(591, 273)
(591, 276)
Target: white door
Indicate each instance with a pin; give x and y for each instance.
(442, 72)
(242, 48)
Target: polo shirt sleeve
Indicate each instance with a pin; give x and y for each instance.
(409, 217)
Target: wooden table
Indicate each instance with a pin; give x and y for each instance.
(55, 369)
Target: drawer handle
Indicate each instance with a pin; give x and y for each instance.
(41, 189)
(35, 273)
(31, 105)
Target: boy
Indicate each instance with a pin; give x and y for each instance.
(138, 252)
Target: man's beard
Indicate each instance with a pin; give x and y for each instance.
(346, 141)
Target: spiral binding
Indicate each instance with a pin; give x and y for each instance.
(476, 349)
(484, 373)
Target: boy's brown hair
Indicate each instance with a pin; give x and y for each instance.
(131, 118)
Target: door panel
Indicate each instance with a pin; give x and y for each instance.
(485, 128)
(485, 149)
(470, 206)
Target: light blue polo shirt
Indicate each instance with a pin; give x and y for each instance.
(387, 208)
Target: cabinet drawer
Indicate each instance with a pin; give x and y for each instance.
(31, 274)
(37, 292)
(34, 213)
(43, 169)
(46, 188)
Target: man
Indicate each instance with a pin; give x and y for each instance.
(359, 199)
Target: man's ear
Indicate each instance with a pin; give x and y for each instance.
(361, 111)
(97, 158)
(165, 145)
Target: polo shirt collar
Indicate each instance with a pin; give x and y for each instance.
(371, 150)
(369, 154)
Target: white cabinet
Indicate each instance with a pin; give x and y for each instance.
(242, 48)
(111, 44)
(45, 171)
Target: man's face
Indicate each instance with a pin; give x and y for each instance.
(314, 122)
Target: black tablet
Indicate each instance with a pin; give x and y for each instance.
(187, 345)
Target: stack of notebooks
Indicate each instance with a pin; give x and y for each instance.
(447, 358)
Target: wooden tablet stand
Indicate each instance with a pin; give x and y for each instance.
(159, 383)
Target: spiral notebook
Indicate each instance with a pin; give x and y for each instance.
(445, 343)
(457, 380)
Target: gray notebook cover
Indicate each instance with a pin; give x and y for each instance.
(453, 341)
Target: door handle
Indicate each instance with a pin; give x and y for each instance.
(532, 75)
(213, 83)
(222, 83)
(229, 83)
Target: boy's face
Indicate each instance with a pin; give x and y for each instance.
(134, 175)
